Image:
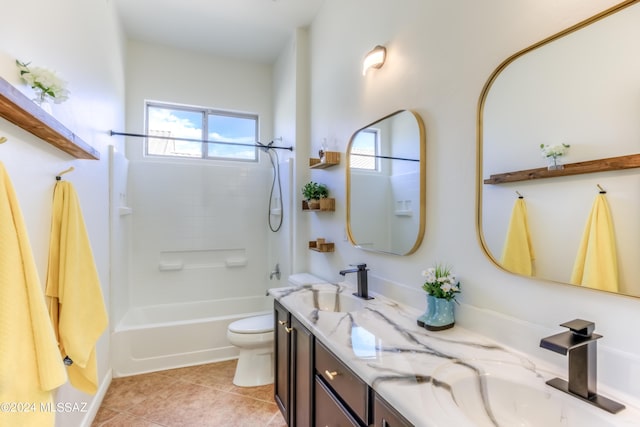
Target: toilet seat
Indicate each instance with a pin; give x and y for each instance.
(253, 325)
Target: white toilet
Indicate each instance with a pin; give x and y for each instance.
(254, 337)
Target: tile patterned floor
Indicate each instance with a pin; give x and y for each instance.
(197, 396)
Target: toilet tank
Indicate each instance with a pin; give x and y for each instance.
(304, 279)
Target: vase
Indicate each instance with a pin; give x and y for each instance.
(554, 163)
(429, 313)
(443, 316)
(43, 101)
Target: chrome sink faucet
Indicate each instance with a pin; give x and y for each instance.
(580, 342)
(363, 285)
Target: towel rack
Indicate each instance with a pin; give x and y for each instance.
(520, 196)
(602, 190)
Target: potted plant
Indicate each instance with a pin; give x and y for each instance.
(441, 286)
(46, 85)
(552, 152)
(313, 192)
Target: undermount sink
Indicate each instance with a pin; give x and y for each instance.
(333, 300)
(504, 394)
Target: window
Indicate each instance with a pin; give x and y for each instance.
(181, 130)
(364, 149)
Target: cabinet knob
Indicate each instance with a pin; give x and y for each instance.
(288, 330)
(331, 374)
(282, 322)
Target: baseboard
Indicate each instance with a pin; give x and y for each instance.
(97, 400)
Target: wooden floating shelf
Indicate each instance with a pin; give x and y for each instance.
(331, 158)
(24, 113)
(601, 165)
(317, 246)
(325, 205)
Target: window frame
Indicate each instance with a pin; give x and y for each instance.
(205, 147)
(376, 152)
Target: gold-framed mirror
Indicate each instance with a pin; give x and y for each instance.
(385, 179)
(579, 87)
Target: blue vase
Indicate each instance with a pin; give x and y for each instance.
(443, 317)
(429, 313)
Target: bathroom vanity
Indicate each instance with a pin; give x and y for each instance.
(314, 387)
(344, 361)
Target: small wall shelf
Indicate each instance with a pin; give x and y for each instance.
(601, 165)
(321, 246)
(326, 205)
(331, 158)
(22, 112)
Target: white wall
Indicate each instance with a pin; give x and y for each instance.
(440, 55)
(193, 212)
(80, 40)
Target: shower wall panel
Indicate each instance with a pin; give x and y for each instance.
(199, 231)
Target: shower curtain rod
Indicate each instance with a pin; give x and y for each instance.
(257, 144)
(386, 157)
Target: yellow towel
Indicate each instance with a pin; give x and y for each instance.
(30, 364)
(75, 300)
(596, 264)
(517, 253)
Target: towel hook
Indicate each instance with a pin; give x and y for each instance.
(59, 176)
(602, 190)
(520, 196)
(3, 139)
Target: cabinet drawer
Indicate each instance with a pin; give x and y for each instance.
(330, 412)
(384, 415)
(350, 389)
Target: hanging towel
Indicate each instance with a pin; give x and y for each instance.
(75, 300)
(596, 264)
(517, 253)
(30, 364)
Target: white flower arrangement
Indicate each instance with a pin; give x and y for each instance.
(554, 151)
(441, 282)
(44, 82)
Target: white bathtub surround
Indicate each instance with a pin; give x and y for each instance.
(166, 336)
(199, 231)
(382, 344)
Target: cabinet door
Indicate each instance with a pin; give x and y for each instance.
(384, 415)
(301, 374)
(282, 354)
(329, 412)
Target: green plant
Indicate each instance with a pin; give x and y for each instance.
(441, 282)
(44, 82)
(554, 150)
(314, 191)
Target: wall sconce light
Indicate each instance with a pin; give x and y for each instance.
(374, 59)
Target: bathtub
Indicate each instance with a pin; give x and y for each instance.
(159, 337)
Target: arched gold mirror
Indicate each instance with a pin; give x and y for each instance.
(386, 184)
(580, 88)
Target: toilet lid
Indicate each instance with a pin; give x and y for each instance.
(253, 325)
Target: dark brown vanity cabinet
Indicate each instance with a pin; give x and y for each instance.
(384, 415)
(313, 387)
(293, 375)
(345, 387)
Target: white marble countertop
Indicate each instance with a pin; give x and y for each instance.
(401, 361)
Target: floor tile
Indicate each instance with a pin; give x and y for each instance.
(197, 396)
